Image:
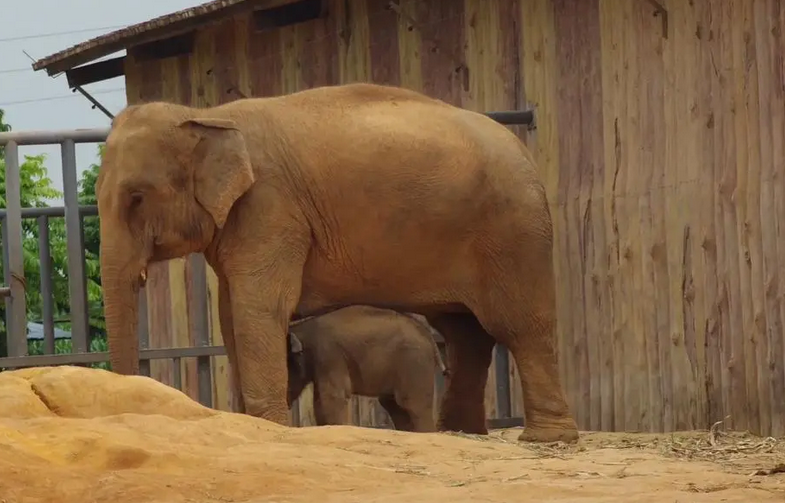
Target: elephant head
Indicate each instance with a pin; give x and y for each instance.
(296, 363)
(168, 181)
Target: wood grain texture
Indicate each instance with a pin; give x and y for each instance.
(662, 159)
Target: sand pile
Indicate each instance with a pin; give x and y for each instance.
(72, 434)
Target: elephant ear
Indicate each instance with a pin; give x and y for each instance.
(222, 166)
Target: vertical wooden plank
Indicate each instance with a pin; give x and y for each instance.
(354, 55)
(744, 351)
(734, 193)
(410, 69)
(681, 348)
(715, 379)
(441, 26)
(290, 59)
(637, 183)
(751, 264)
(724, 189)
(264, 62)
(538, 70)
(768, 316)
(612, 103)
(577, 25)
(653, 252)
(383, 40)
(318, 53)
(770, 15)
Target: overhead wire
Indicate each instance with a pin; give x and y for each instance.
(58, 33)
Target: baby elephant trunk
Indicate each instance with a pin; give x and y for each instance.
(437, 355)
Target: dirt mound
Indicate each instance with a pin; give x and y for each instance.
(71, 435)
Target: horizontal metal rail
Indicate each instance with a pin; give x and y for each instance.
(54, 211)
(94, 135)
(513, 117)
(12, 362)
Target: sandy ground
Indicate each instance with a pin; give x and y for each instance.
(71, 434)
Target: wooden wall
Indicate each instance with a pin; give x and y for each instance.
(661, 152)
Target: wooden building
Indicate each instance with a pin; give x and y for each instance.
(660, 128)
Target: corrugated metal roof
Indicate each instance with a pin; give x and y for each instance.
(155, 29)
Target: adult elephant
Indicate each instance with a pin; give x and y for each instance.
(353, 194)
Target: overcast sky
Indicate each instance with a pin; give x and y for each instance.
(35, 101)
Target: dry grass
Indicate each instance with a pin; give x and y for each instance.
(728, 448)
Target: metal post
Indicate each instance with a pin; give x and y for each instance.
(16, 309)
(77, 290)
(503, 402)
(143, 332)
(46, 285)
(201, 331)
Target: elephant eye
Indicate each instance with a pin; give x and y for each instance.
(136, 198)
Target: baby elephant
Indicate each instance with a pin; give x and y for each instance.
(366, 351)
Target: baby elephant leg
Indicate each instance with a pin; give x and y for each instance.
(331, 404)
(400, 417)
(417, 405)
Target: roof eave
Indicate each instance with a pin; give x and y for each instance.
(162, 27)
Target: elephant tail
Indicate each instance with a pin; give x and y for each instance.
(437, 355)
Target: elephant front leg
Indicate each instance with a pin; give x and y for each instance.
(227, 333)
(261, 307)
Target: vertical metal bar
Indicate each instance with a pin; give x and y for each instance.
(16, 324)
(503, 402)
(6, 270)
(77, 290)
(198, 299)
(143, 331)
(178, 373)
(296, 412)
(46, 285)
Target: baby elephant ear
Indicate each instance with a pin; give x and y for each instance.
(222, 165)
(295, 346)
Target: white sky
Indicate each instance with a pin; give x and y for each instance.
(35, 101)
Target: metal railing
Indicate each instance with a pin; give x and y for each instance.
(14, 277)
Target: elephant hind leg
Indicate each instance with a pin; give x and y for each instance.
(331, 400)
(417, 402)
(469, 354)
(524, 321)
(400, 417)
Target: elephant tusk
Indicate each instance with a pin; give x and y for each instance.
(143, 276)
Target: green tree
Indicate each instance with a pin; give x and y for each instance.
(36, 190)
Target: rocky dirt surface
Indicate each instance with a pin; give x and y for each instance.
(76, 435)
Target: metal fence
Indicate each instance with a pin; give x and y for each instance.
(14, 276)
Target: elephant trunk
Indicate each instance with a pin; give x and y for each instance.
(121, 283)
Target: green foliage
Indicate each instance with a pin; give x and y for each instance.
(36, 190)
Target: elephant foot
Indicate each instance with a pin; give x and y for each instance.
(561, 431)
(263, 410)
(467, 420)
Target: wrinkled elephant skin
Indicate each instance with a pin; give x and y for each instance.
(354, 194)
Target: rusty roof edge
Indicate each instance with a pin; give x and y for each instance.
(112, 42)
